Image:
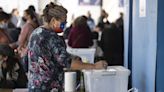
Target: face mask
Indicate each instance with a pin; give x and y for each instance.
(24, 19)
(62, 25)
(61, 28)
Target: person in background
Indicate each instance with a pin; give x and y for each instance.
(47, 54)
(12, 74)
(5, 21)
(15, 16)
(9, 27)
(23, 20)
(90, 21)
(26, 31)
(112, 45)
(1, 9)
(80, 35)
(119, 22)
(38, 17)
(103, 21)
(30, 25)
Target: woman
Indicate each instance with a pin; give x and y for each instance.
(12, 74)
(80, 34)
(29, 26)
(47, 54)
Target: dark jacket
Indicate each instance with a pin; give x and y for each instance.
(112, 45)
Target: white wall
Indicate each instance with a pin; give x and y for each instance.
(112, 8)
(76, 10)
(42, 4)
(8, 5)
(23, 4)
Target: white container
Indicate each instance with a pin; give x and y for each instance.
(69, 81)
(87, 54)
(113, 79)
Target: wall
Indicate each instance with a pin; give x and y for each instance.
(144, 46)
(75, 10)
(8, 5)
(42, 4)
(112, 8)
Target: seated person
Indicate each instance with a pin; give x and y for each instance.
(12, 74)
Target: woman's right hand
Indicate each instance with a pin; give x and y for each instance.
(102, 64)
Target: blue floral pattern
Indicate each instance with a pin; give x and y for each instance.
(47, 57)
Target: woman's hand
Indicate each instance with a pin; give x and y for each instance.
(102, 64)
(77, 64)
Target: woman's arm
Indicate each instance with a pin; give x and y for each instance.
(77, 64)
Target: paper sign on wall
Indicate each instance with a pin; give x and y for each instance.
(142, 8)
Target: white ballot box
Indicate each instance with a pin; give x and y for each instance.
(112, 79)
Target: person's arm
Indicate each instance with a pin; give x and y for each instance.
(23, 37)
(77, 64)
(25, 33)
(63, 58)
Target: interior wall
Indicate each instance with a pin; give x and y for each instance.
(8, 6)
(21, 5)
(113, 9)
(75, 10)
(42, 4)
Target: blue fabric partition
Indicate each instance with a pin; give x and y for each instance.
(144, 44)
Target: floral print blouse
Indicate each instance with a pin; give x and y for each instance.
(47, 57)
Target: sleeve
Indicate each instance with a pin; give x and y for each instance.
(23, 35)
(59, 52)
